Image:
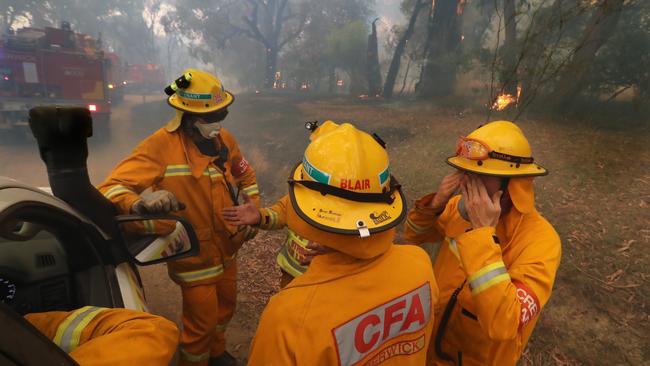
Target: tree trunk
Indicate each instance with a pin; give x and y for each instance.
(406, 75)
(509, 70)
(374, 74)
(599, 28)
(399, 50)
(357, 82)
(271, 67)
(331, 77)
(438, 76)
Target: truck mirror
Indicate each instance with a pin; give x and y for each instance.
(154, 239)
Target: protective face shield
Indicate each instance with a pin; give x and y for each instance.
(208, 130)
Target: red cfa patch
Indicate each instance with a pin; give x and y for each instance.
(529, 303)
(239, 167)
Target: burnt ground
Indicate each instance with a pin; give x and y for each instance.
(597, 197)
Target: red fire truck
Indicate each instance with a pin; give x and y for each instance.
(116, 77)
(51, 66)
(145, 78)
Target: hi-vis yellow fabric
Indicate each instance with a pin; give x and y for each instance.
(171, 161)
(509, 274)
(347, 311)
(99, 336)
(293, 251)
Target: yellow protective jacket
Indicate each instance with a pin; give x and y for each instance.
(506, 277)
(171, 161)
(294, 249)
(95, 336)
(347, 311)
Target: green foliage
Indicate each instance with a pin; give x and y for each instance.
(624, 62)
(346, 47)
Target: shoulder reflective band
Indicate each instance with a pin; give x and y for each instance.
(324, 189)
(68, 334)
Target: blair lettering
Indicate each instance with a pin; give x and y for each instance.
(355, 185)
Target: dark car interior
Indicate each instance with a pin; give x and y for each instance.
(48, 262)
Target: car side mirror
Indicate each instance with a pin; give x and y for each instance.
(152, 239)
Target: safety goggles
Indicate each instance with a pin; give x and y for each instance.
(474, 149)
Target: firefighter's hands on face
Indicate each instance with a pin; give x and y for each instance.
(159, 202)
(446, 190)
(244, 214)
(483, 210)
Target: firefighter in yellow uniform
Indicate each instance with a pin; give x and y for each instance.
(296, 252)
(498, 256)
(95, 336)
(192, 161)
(368, 301)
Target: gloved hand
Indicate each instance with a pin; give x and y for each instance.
(156, 202)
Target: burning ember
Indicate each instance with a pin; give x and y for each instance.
(504, 100)
(339, 82)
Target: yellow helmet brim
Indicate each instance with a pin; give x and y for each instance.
(496, 167)
(341, 216)
(176, 102)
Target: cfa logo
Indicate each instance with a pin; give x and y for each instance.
(378, 218)
(372, 330)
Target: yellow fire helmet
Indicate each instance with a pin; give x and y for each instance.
(201, 93)
(343, 185)
(497, 148)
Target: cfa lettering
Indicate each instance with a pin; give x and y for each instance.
(396, 316)
(355, 185)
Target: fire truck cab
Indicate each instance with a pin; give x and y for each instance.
(51, 66)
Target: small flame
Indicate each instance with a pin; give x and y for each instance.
(502, 101)
(339, 82)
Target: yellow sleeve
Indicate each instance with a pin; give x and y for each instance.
(423, 224)
(509, 298)
(275, 217)
(99, 336)
(137, 172)
(241, 170)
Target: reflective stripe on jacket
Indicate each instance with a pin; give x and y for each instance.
(171, 161)
(96, 336)
(509, 275)
(294, 247)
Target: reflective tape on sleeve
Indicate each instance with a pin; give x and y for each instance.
(488, 276)
(417, 228)
(116, 191)
(68, 334)
(194, 357)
